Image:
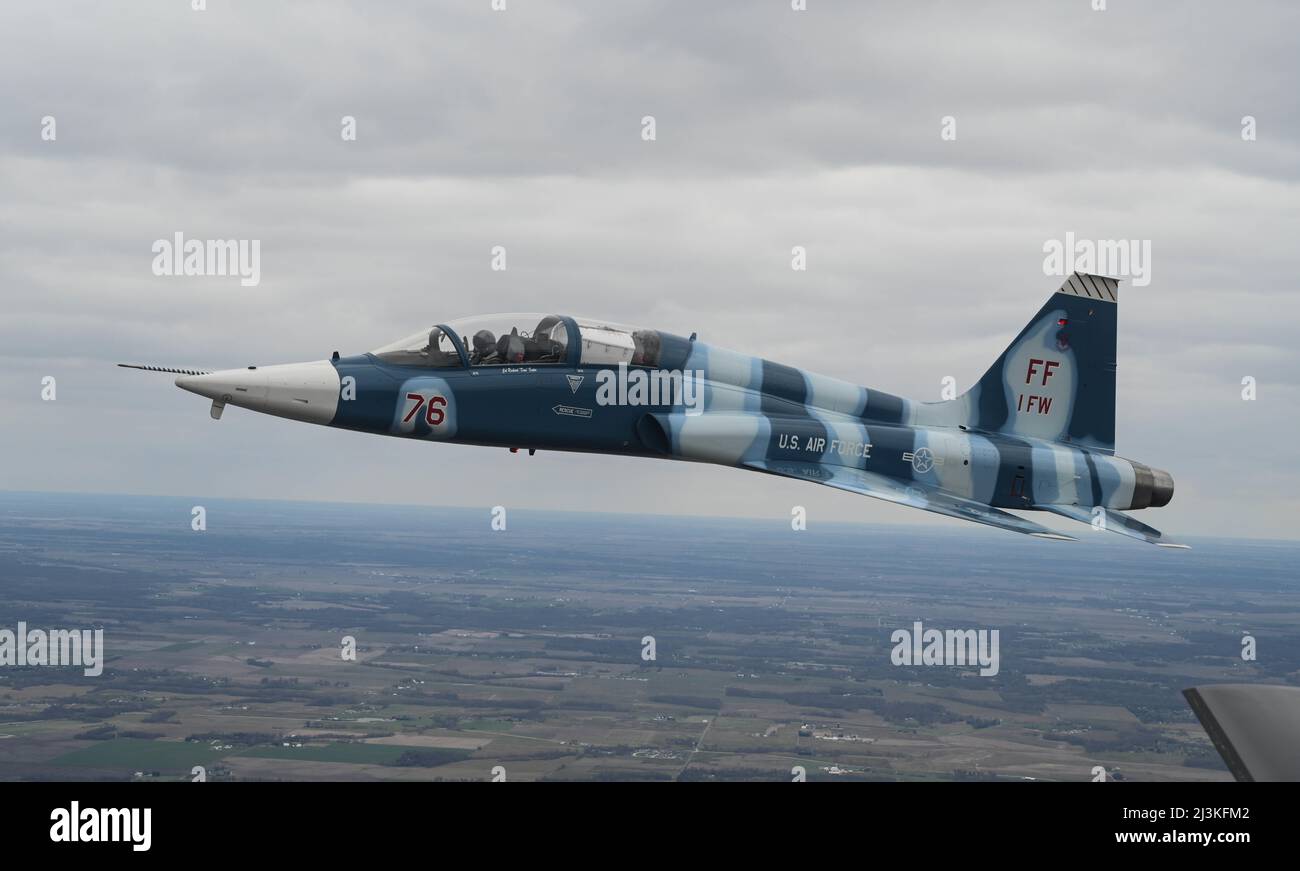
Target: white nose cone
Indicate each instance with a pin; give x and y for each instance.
(300, 391)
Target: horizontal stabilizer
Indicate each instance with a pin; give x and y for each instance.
(916, 495)
(1115, 521)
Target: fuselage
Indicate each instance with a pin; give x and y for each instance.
(581, 385)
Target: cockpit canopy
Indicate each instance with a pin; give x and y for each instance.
(524, 340)
(431, 348)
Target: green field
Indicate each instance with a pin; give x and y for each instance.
(487, 725)
(180, 646)
(136, 754)
(368, 754)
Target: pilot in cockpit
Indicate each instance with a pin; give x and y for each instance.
(485, 351)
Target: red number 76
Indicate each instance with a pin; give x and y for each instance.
(433, 413)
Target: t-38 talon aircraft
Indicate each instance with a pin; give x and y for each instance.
(1037, 432)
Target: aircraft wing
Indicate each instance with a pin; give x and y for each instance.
(1116, 521)
(1255, 728)
(910, 493)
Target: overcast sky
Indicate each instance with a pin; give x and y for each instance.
(523, 128)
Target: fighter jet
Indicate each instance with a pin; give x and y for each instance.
(1035, 433)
